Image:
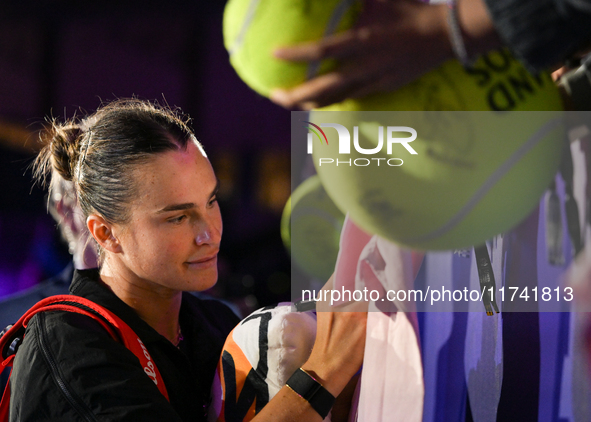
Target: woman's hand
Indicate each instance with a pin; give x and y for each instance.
(393, 43)
(335, 358)
(340, 342)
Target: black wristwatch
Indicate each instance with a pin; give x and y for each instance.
(305, 386)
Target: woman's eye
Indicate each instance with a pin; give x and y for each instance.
(177, 220)
(213, 201)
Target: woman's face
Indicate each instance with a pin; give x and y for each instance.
(174, 233)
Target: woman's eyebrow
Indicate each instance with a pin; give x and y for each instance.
(177, 207)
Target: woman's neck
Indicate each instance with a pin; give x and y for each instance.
(157, 305)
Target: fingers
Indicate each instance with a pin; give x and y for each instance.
(364, 54)
(348, 43)
(353, 80)
(394, 43)
(324, 90)
(558, 73)
(318, 92)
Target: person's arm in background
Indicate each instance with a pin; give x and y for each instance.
(542, 33)
(397, 41)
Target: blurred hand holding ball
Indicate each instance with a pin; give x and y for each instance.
(473, 176)
(253, 29)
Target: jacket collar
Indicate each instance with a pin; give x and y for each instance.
(87, 284)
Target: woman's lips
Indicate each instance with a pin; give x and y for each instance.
(206, 262)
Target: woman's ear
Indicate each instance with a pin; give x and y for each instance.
(102, 231)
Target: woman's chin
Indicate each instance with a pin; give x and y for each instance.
(204, 281)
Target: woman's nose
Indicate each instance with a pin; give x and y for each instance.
(208, 232)
(203, 236)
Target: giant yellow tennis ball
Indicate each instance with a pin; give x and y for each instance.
(253, 29)
(474, 175)
(311, 228)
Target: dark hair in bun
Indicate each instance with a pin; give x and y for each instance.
(64, 148)
(99, 152)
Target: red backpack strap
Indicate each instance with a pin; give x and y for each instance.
(114, 325)
(4, 404)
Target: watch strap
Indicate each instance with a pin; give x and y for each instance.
(305, 386)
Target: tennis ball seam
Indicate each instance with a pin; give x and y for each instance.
(490, 182)
(239, 40)
(333, 23)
